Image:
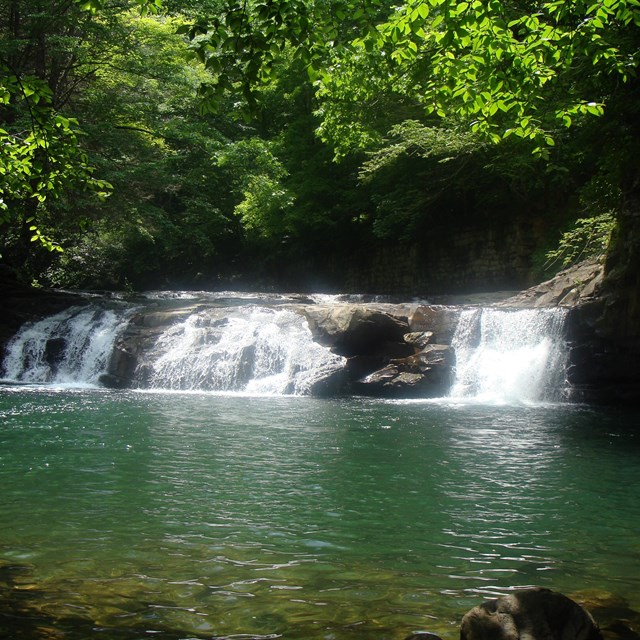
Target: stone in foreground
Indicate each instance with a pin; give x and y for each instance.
(529, 614)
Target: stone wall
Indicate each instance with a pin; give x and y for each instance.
(469, 259)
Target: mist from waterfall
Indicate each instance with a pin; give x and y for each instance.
(510, 356)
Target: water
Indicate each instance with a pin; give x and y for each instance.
(510, 355)
(256, 349)
(70, 347)
(190, 515)
(258, 344)
(220, 346)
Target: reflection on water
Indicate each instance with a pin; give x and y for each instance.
(202, 515)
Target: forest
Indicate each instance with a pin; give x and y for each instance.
(202, 144)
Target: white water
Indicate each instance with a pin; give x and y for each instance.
(510, 356)
(252, 349)
(71, 347)
(502, 356)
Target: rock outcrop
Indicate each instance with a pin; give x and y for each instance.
(396, 351)
(569, 288)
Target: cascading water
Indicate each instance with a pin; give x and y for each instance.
(70, 347)
(506, 356)
(258, 347)
(250, 349)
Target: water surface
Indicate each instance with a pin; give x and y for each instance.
(131, 514)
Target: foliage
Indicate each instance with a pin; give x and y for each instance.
(40, 159)
(588, 238)
(43, 60)
(280, 137)
(146, 135)
(412, 138)
(503, 68)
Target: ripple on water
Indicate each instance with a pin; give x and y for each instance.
(199, 516)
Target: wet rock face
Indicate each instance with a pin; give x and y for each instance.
(529, 614)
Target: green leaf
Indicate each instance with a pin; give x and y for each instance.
(423, 10)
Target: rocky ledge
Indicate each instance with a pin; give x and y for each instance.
(405, 350)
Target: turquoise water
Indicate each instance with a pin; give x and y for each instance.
(130, 515)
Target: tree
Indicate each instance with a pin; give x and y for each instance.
(48, 53)
(527, 77)
(504, 68)
(40, 159)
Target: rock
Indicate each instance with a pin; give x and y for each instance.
(111, 381)
(352, 330)
(440, 321)
(423, 635)
(418, 339)
(427, 374)
(573, 286)
(616, 619)
(529, 614)
(601, 329)
(53, 351)
(330, 383)
(604, 360)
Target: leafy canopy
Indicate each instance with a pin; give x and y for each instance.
(504, 68)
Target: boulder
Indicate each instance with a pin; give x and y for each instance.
(427, 374)
(351, 329)
(440, 321)
(529, 614)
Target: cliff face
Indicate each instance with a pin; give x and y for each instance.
(605, 330)
(603, 326)
(455, 259)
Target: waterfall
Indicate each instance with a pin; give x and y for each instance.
(70, 347)
(257, 350)
(267, 348)
(505, 356)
